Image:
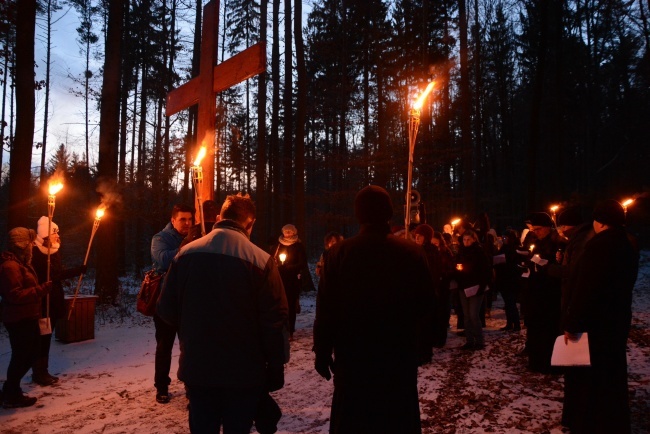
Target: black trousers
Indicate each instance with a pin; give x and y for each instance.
(234, 408)
(165, 336)
(24, 338)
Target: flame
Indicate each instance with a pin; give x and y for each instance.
(554, 208)
(100, 212)
(55, 188)
(627, 203)
(283, 257)
(532, 247)
(200, 155)
(420, 101)
(455, 222)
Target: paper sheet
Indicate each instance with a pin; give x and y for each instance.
(471, 291)
(572, 353)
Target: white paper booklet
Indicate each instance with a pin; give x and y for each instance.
(471, 291)
(573, 353)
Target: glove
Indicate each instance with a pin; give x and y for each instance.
(44, 288)
(274, 378)
(324, 365)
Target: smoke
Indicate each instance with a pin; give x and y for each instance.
(109, 192)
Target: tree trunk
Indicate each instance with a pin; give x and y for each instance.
(465, 114)
(20, 158)
(301, 108)
(106, 285)
(261, 196)
(275, 121)
(287, 150)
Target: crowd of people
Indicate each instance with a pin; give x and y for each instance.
(384, 304)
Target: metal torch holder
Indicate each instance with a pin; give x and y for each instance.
(414, 125)
(197, 180)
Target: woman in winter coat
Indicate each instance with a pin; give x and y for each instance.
(473, 274)
(507, 279)
(448, 266)
(57, 310)
(21, 310)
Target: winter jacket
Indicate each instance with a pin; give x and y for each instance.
(57, 274)
(19, 288)
(294, 270)
(225, 296)
(476, 268)
(164, 246)
(375, 292)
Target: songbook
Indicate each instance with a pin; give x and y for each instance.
(471, 291)
(499, 259)
(573, 353)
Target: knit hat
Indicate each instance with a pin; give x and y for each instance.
(41, 228)
(539, 219)
(20, 238)
(610, 213)
(289, 235)
(425, 230)
(571, 216)
(373, 205)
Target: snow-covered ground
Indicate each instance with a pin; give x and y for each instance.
(106, 383)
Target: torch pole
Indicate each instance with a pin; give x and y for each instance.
(414, 125)
(51, 203)
(81, 276)
(197, 178)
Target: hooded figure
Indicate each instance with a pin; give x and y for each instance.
(291, 257)
(54, 305)
(373, 297)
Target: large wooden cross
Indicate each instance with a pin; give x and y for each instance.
(213, 79)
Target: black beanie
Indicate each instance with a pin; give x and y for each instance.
(425, 230)
(571, 216)
(373, 205)
(539, 219)
(610, 213)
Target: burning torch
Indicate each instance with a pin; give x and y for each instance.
(554, 209)
(626, 203)
(98, 217)
(54, 188)
(197, 180)
(414, 125)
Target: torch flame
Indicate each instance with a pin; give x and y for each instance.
(627, 203)
(200, 155)
(554, 208)
(100, 212)
(420, 101)
(55, 188)
(455, 222)
(532, 247)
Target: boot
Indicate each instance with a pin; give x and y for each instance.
(40, 375)
(17, 399)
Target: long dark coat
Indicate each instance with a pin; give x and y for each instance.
(374, 293)
(601, 305)
(543, 299)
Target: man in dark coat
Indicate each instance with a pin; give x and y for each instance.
(225, 297)
(543, 295)
(374, 293)
(600, 304)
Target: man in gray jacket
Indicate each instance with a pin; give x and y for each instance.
(226, 297)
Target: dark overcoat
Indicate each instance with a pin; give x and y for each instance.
(601, 305)
(374, 293)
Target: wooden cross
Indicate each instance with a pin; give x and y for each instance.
(213, 79)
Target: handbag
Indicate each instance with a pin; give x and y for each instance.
(149, 292)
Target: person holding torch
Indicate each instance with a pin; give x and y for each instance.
(58, 273)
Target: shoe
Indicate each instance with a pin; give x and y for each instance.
(44, 379)
(467, 346)
(461, 333)
(18, 401)
(507, 328)
(479, 346)
(516, 329)
(162, 397)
